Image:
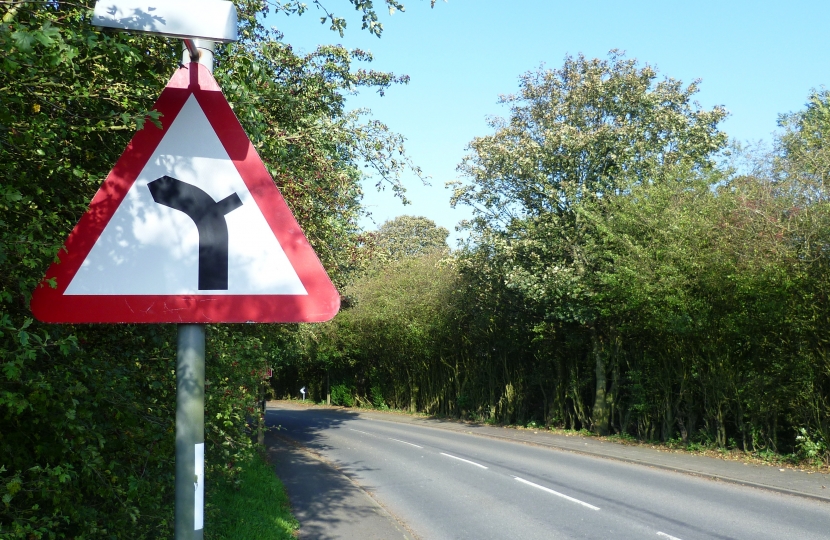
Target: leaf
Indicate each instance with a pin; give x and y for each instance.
(23, 39)
(12, 370)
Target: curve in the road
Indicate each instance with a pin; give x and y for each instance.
(427, 478)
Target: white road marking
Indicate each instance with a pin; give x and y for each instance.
(667, 536)
(543, 488)
(409, 443)
(464, 460)
(360, 431)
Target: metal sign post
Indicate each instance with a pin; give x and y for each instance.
(190, 432)
(190, 392)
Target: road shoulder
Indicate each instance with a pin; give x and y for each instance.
(326, 502)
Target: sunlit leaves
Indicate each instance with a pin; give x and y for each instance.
(582, 131)
(408, 237)
(804, 153)
(366, 8)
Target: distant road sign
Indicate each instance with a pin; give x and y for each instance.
(188, 228)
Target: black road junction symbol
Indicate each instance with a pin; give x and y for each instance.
(209, 217)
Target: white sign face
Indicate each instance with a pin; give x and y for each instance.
(150, 248)
(206, 19)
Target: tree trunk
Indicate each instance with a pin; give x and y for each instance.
(601, 418)
(413, 395)
(668, 421)
(260, 432)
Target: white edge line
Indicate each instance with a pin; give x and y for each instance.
(543, 488)
(409, 443)
(464, 460)
(360, 431)
(664, 535)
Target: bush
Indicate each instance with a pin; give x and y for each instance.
(377, 398)
(811, 448)
(342, 394)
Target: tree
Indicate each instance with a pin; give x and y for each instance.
(390, 314)
(801, 172)
(387, 347)
(583, 131)
(410, 236)
(803, 151)
(586, 132)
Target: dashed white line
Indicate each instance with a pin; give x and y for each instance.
(360, 431)
(464, 460)
(543, 488)
(409, 443)
(667, 536)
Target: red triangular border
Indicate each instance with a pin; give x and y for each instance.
(320, 304)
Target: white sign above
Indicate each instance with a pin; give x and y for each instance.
(200, 19)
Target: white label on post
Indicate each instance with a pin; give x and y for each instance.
(199, 485)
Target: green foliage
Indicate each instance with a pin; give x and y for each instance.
(253, 505)
(342, 394)
(804, 153)
(811, 449)
(338, 24)
(542, 188)
(397, 325)
(85, 419)
(409, 236)
(378, 401)
(589, 129)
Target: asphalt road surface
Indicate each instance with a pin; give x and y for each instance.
(450, 485)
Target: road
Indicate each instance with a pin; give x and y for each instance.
(450, 485)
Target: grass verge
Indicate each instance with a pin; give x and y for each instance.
(254, 506)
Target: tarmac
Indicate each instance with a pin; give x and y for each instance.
(329, 505)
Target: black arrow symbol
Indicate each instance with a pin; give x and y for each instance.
(209, 217)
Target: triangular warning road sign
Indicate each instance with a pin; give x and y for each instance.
(187, 228)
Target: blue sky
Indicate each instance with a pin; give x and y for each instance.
(758, 59)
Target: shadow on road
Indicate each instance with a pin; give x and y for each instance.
(326, 502)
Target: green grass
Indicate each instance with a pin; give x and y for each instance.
(256, 506)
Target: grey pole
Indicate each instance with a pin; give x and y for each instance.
(190, 432)
(190, 396)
